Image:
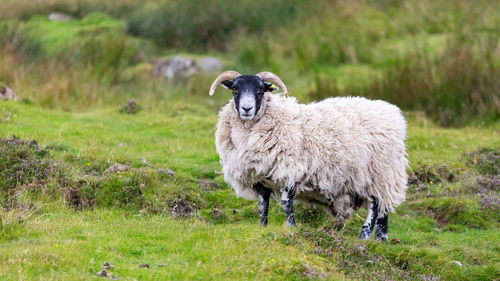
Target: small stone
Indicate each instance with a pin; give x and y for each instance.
(117, 168)
(143, 160)
(406, 217)
(218, 173)
(103, 273)
(6, 93)
(59, 17)
(162, 264)
(165, 171)
(210, 65)
(459, 264)
(107, 265)
(433, 244)
(144, 265)
(395, 241)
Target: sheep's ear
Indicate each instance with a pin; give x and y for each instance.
(228, 84)
(270, 87)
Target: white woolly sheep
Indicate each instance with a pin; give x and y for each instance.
(339, 154)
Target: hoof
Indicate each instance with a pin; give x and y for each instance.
(380, 238)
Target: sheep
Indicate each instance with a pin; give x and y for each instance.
(339, 154)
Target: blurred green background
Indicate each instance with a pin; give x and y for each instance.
(439, 57)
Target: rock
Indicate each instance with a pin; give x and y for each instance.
(175, 67)
(107, 265)
(117, 168)
(143, 160)
(181, 67)
(459, 264)
(6, 93)
(103, 273)
(59, 17)
(395, 241)
(165, 171)
(131, 107)
(162, 264)
(144, 265)
(209, 65)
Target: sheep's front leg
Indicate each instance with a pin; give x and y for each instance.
(264, 194)
(367, 229)
(287, 205)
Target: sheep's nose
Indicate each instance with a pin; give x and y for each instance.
(247, 109)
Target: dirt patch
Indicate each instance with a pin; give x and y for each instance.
(208, 185)
(182, 208)
(427, 174)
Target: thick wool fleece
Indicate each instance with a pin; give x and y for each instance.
(330, 151)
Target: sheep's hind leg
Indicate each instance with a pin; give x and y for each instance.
(287, 205)
(367, 229)
(264, 194)
(382, 228)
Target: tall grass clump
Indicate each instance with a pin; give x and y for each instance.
(210, 25)
(460, 85)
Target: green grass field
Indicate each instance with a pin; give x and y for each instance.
(63, 213)
(47, 239)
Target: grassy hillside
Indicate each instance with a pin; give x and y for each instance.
(69, 225)
(82, 183)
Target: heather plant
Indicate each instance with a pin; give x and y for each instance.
(24, 162)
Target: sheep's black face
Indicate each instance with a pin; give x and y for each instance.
(248, 91)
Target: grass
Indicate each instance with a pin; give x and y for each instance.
(65, 244)
(63, 213)
(41, 236)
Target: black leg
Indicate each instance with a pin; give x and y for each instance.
(287, 205)
(264, 194)
(382, 228)
(367, 229)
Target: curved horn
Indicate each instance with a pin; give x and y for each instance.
(226, 75)
(268, 76)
